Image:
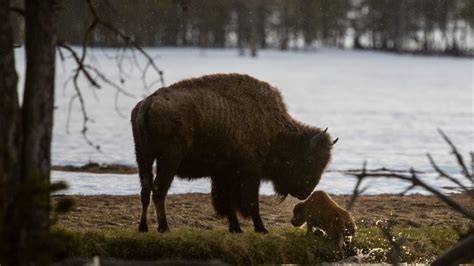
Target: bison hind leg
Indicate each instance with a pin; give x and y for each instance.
(223, 201)
(145, 164)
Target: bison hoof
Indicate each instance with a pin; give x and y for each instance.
(163, 229)
(143, 228)
(261, 230)
(235, 230)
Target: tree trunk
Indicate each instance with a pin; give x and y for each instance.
(242, 26)
(10, 137)
(25, 137)
(261, 25)
(400, 31)
(38, 99)
(253, 27)
(284, 28)
(9, 105)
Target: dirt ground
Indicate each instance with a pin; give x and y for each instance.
(195, 210)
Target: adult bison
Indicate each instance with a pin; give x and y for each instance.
(232, 128)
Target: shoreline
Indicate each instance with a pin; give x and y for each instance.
(195, 210)
(114, 168)
(96, 168)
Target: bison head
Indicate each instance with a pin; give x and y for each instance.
(299, 162)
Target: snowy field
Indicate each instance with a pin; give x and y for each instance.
(385, 108)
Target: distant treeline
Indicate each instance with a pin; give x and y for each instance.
(425, 26)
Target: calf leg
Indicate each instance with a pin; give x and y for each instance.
(309, 228)
(339, 241)
(166, 170)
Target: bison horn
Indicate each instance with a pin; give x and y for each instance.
(334, 142)
(316, 138)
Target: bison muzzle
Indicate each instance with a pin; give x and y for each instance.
(232, 128)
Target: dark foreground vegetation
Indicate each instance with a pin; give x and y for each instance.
(281, 245)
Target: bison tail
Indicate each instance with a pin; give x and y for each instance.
(143, 150)
(140, 122)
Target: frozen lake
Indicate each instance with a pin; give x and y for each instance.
(385, 109)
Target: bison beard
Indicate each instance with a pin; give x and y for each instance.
(232, 128)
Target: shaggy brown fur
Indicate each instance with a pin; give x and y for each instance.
(232, 128)
(319, 210)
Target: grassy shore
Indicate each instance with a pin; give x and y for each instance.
(106, 225)
(281, 245)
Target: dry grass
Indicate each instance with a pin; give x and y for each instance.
(107, 226)
(195, 210)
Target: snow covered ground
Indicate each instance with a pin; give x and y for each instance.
(385, 108)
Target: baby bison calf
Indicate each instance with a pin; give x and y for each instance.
(319, 210)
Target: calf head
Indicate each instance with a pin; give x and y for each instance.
(298, 215)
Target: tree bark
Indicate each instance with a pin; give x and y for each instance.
(38, 100)
(253, 27)
(9, 105)
(10, 133)
(37, 116)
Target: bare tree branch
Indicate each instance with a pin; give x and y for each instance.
(80, 69)
(462, 251)
(446, 175)
(108, 81)
(381, 169)
(408, 189)
(413, 178)
(458, 156)
(80, 64)
(472, 163)
(126, 39)
(74, 97)
(357, 191)
(94, 75)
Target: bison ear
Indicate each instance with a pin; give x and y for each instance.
(317, 138)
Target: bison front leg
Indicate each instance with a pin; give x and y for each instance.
(166, 170)
(250, 205)
(224, 200)
(257, 220)
(234, 226)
